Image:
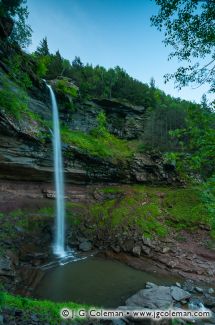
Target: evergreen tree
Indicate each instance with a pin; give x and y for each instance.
(42, 49)
(76, 63)
(152, 83)
(204, 104)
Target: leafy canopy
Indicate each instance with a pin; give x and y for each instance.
(190, 30)
(18, 12)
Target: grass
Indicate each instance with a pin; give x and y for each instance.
(13, 102)
(107, 146)
(152, 210)
(44, 309)
(131, 210)
(185, 208)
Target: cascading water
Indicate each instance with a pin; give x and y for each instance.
(59, 241)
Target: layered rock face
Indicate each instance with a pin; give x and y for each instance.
(124, 120)
(24, 155)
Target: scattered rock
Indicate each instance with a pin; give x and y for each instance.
(5, 264)
(85, 246)
(150, 285)
(210, 291)
(188, 285)
(165, 250)
(19, 229)
(116, 249)
(209, 301)
(183, 302)
(147, 241)
(199, 290)
(178, 284)
(50, 195)
(128, 245)
(179, 294)
(146, 250)
(136, 251)
(34, 318)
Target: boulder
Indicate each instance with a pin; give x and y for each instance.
(209, 301)
(6, 267)
(210, 291)
(150, 285)
(158, 297)
(146, 250)
(179, 294)
(136, 251)
(85, 246)
(199, 290)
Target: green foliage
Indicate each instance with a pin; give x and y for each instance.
(112, 190)
(185, 209)
(189, 29)
(13, 102)
(167, 115)
(197, 141)
(141, 207)
(16, 10)
(46, 212)
(46, 310)
(65, 87)
(17, 73)
(42, 49)
(130, 211)
(101, 129)
(42, 65)
(105, 145)
(208, 199)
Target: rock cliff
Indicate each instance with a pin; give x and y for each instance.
(26, 148)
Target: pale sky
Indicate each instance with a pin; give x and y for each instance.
(108, 33)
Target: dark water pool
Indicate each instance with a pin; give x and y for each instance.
(95, 281)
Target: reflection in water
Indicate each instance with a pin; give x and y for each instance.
(95, 281)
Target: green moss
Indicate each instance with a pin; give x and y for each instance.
(107, 146)
(185, 209)
(46, 211)
(145, 208)
(112, 190)
(46, 310)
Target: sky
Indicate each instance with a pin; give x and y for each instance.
(108, 33)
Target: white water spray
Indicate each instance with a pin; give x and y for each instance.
(59, 241)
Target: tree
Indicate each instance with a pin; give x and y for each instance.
(190, 29)
(76, 63)
(204, 104)
(16, 11)
(43, 49)
(152, 83)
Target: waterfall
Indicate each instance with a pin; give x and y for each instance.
(59, 240)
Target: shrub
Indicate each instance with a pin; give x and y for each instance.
(65, 87)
